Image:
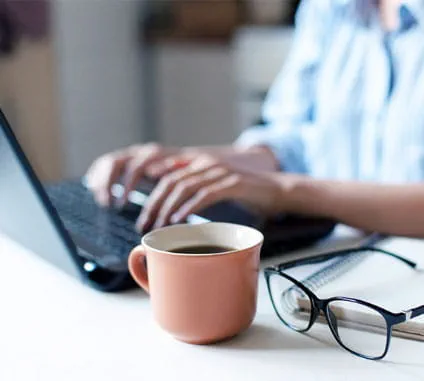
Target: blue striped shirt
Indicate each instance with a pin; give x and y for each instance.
(349, 103)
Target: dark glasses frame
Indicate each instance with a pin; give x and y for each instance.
(322, 305)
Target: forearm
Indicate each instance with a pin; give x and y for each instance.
(390, 209)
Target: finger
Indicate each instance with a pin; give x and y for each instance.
(161, 192)
(170, 164)
(157, 197)
(185, 189)
(227, 188)
(102, 175)
(142, 156)
(133, 174)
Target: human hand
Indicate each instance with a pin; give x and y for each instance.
(205, 181)
(132, 163)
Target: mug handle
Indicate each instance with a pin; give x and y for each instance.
(137, 267)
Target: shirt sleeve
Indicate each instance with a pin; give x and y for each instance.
(289, 107)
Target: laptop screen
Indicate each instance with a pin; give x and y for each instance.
(25, 212)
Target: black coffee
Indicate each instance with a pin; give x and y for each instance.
(202, 249)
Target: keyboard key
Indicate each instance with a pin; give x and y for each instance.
(110, 230)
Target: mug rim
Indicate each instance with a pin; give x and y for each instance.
(188, 226)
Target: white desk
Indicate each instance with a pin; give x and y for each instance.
(52, 328)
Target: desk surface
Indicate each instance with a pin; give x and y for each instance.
(54, 328)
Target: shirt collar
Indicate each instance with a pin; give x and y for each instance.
(415, 8)
(411, 11)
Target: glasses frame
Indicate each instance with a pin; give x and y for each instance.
(321, 305)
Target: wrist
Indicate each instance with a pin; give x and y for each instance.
(260, 157)
(301, 194)
(267, 156)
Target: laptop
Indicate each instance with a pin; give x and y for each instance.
(61, 222)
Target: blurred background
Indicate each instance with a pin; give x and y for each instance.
(79, 78)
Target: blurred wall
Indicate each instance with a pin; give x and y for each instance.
(99, 60)
(196, 97)
(28, 96)
(91, 87)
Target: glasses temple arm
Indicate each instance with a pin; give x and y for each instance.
(393, 255)
(414, 312)
(324, 257)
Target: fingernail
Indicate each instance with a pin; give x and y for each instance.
(140, 228)
(140, 224)
(119, 203)
(175, 218)
(102, 200)
(158, 224)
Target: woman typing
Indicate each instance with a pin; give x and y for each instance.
(344, 132)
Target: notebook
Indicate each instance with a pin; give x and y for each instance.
(378, 279)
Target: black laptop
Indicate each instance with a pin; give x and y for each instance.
(62, 223)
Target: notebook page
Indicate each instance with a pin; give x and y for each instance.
(384, 281)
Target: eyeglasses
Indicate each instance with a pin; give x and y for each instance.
(299, 308)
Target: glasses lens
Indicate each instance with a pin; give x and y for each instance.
(359, 328)
(291, 303)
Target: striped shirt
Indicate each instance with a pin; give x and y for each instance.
(349, 103)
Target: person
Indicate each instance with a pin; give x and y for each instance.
(343, 135)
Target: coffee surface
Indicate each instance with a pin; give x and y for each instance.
(201, 249)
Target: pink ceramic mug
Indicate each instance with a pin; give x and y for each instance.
(204, 297)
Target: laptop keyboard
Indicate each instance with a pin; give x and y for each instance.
(110, 231)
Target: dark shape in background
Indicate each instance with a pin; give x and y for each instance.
(29, 18)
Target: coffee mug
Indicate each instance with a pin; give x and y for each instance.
(197, 295)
